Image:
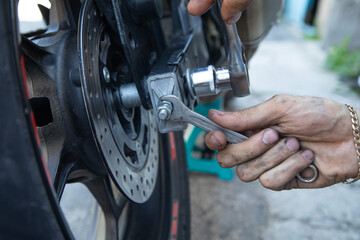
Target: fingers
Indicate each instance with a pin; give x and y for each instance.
(261, 116)
(284, 175)
(275, 163)
(276, 155)
(198, 7)
(216, 140)
(235, 154)
(231, 10)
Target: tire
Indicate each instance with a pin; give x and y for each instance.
(28, 202)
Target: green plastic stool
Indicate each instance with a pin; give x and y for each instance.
(205, 165)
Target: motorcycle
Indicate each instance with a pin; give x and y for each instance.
(82, 101)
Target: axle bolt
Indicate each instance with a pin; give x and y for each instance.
(106, 74)
(164, 110)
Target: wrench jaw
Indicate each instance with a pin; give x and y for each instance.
(239, 76)
(177, 78)
(166, 126)
(181, 113)
(161, 85)
(177, 114)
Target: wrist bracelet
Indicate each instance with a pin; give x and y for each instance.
(355, 127)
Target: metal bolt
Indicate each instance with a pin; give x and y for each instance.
(164, 110)
(138, 147)
(163, 114)
(106, 74)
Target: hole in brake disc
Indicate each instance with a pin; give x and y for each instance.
(42, 110)
(136, 155)
(129, 153)
(125, 139)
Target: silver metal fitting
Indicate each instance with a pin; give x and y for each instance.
(162, 85)
(164, 110)
(129, 95)
(222, 79)
(106, 74)
(208, 81)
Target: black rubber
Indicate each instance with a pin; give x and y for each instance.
(181, 180)
(28, 205)
(26, 200)
(173, 181)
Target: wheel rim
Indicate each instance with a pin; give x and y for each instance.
(127, 138)
(69, 169)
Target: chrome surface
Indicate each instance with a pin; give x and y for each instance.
(207, 81)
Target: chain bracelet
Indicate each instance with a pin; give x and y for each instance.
(355, 127)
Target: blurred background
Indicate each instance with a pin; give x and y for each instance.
(313, 50)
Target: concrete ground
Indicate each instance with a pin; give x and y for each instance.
(284, 63)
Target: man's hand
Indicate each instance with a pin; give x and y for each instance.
(290, 133)
(230, 10)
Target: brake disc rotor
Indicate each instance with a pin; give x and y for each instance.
(126, 138)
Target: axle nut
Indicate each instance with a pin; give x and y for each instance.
(164, 110)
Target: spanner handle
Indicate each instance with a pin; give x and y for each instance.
(208, 125)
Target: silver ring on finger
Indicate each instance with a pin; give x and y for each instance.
(309, 180)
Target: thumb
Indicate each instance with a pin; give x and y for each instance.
(231, 10)
(198, 7)
(261, 116)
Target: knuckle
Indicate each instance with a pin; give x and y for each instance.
(220, 159)
(278, 98)
(281, 103)
(292, 184)
(288, 186)
(244, 174)
(268, 182)
(263, 163)
(223, 159)
(229, 157)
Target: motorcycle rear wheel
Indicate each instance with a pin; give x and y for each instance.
(29, 204)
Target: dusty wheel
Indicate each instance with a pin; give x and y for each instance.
(52, 136)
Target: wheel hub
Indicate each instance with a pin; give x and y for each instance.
(126, 138)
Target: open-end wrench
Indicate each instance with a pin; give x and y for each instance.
(236, 61)
(181, 113)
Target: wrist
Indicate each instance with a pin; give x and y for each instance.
(355, 172)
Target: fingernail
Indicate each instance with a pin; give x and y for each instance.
(214, 112)
(233, 19)
(292, 144)
(215, 141)
(270, 137)
(308, 155)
